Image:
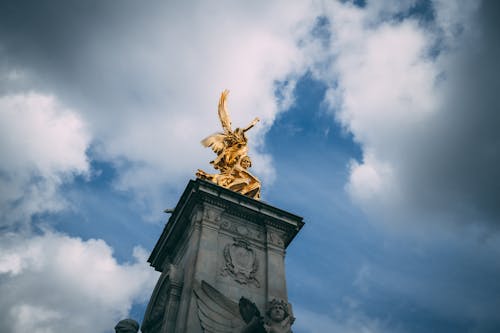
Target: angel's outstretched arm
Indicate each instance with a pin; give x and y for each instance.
(252, 124)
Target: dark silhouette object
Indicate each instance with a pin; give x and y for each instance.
(127, 326)
(251, 315)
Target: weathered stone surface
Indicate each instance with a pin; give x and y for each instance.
(234, 243)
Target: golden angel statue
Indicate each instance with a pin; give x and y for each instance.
(232, 160)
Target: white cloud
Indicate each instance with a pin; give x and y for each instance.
(370, 178)
(56, 283)
(419, 110)
(52, 282)
(147, 89)
(154, 105)
(42, 144)
(384, 93)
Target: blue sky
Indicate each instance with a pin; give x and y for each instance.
(379, 125)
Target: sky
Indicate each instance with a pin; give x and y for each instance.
(379, 125)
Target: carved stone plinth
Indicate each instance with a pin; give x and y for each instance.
(218, 242)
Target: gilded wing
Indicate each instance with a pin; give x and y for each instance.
(215, 141)
(217, 313)
(223, 113)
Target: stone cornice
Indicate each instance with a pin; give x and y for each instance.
(198, 192)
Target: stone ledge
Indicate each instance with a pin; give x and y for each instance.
(200, 191)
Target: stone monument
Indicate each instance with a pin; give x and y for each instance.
(222, 253)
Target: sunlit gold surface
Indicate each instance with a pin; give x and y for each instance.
(232, 160)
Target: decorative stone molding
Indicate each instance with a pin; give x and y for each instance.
(275, 238)
(242, 230)
(240, 262)
(211, 214)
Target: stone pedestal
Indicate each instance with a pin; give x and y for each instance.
(231, 242)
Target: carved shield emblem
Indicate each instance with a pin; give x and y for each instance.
(240, 262)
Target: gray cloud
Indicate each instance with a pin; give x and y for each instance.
(422, 101)
(453, 164)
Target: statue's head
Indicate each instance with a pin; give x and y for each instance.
(246, 162)
(277, 310)
(127, 326)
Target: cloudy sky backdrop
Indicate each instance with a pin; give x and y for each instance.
(379, 125)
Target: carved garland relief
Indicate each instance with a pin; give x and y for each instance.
(243, 231)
